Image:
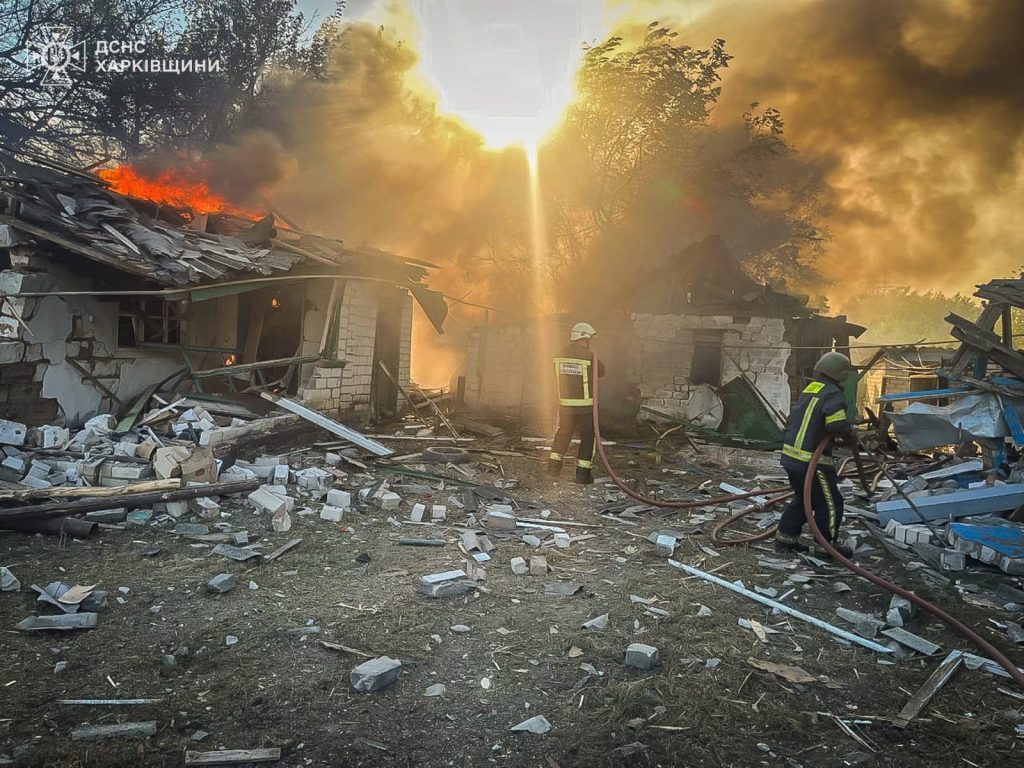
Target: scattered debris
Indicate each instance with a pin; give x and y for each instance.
(641, 656)
(114, 731)
(942, 675)
(537, 724)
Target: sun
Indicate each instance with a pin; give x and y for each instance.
(505, 69)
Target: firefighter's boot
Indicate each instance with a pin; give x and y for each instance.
(790, 544)
(584, 475)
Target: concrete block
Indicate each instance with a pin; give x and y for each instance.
(332, 513)
(313, 479)
(446, 584)
(418, 510)
(665, 545)
(389, 500)
(438, 512)
(107, 515)
(177, 508)
(221, 583)
(167, 461)
(270, 461)
(641, 656)
(265, 501)
(12, 432)
(339, 498)
(16, 464)
(205, 506)
(375, 674)
(562, 540)
(500, 519)
(281, 473)
(519, 567)
(538, 565)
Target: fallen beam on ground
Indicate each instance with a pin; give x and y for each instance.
(830, 628)
(108, 702)
(76, 492)
(977, 501)
(62, 508)
(281, 550)
(315, 417)
(232, 756)
(942, 675)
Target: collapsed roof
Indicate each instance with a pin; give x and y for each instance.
(706, 276)
(63, 211)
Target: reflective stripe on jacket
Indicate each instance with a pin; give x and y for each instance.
(820, 410)
(574, 376)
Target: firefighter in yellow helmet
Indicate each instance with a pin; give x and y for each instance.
(820, 411)
(576, 402)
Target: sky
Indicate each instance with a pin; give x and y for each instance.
(505, 67)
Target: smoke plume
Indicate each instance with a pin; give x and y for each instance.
(914, 113)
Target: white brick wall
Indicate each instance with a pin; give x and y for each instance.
(658, 363)
(348, 388)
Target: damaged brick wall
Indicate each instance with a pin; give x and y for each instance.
(345, 385)
(37, 383)
(650, 364)
(661, 359)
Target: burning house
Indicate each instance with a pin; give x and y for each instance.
(107, 296)
(696, 323)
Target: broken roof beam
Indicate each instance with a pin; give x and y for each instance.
(987, 343)
(315, 417)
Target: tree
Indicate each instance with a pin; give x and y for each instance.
(639, 170)
(900, 315)
(127, 111)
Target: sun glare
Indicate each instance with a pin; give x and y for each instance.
(505, 69)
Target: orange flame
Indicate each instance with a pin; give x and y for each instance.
(172, 187)
(230, 360)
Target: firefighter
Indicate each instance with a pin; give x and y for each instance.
(820, 411)
(576, 403)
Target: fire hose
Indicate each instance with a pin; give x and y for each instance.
(979, 642)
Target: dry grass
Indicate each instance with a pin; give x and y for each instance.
(275, 689)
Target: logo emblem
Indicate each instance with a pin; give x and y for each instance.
(55, 52)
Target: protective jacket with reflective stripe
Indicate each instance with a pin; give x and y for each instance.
(820, 410)
(574, 377)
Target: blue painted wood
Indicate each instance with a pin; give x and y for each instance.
(977, 501)
(1013, 422)
(925, 394)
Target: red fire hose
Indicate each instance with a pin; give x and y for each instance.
(981, 643)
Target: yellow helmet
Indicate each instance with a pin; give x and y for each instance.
(582, 331)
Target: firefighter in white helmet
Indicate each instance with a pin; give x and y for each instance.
(576, 402)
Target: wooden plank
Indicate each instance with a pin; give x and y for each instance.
(232, 756)
(942, 675)
(281, 550)
(315, 417)
(62, 508)
(440, 414)
(75, 492)
(393, 380)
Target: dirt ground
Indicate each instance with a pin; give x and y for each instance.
(280, 687)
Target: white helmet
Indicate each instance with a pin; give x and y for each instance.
(582, 331)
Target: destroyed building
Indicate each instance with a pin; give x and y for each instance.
(105, 297)
(698, 319)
